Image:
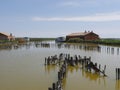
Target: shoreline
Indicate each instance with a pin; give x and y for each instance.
(111, 42)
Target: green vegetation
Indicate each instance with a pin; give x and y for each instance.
(31, 39)
(6, 44)
(101, 41)
(7, 41)
(3, 41)
(106, 41)
(110, 41)
(41, 39)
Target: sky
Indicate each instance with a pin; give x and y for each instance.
(55, 18)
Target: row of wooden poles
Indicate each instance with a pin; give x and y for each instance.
(66, 59)
(76, 60)
(61, 76)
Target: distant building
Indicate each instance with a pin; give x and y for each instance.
(83, 35)
(27, 39)
(23, 39)
(4, 36)
(60, 39)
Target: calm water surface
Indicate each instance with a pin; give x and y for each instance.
(23, 68)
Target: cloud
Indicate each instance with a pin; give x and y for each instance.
(70, 3)
(78, 3)
(101, 17)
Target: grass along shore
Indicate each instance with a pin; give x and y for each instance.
(105, 41)
(42, 39)
(4, 42)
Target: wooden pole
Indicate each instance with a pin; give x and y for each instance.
(50, 89)
(53, 86)
(45, 60)
(116, 73)
(104, 69)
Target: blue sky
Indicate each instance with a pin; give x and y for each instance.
(53, 18)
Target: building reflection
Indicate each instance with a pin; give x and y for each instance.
(90, 47)
(86, 47)
(6, 47)
(81, 46)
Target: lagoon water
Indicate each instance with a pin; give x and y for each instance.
(23, 68)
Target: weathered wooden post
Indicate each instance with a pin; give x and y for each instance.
(57, 84)
(116, 73)
(96, 65)
(84, 57)
(99, 68)
(59, 76)
(89, 58)
(50, 89)
(53, 86)
(45, 60)
(104, 69)
(48, 61)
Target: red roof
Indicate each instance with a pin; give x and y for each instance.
(5, 34)
(79, 34)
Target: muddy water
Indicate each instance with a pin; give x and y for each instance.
(23, 68)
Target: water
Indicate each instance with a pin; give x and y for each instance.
(22, 67)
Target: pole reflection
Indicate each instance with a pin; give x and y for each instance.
(117, 85)
(78, 46)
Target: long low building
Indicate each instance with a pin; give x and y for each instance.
(4, 36)
(83, 35)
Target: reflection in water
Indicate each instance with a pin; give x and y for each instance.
(111, 50)
(6, 47)
(93, 77)
(49, 68)
(42, 44)
(64, 83)
(86, 47)
(20, 67)
(117, 51)
(16, 46)
(97, 78)
(117, 86)
(80, 46)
